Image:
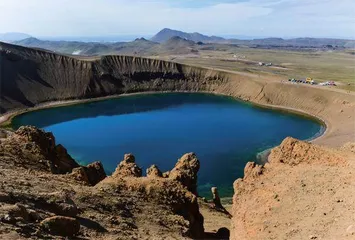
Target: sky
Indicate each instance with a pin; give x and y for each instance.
(264, 18)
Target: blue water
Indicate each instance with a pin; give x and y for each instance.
(159, 128)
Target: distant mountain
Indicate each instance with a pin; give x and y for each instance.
(138, 46)
(66, 47)
(167, 33)
(175, 45)
(13, 36)
(186, 43)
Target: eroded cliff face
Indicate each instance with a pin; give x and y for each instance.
(30, 77)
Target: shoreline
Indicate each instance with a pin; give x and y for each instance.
(6, 119)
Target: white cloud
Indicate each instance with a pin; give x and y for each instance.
(120, 17)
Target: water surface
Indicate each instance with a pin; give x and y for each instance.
(160, 128)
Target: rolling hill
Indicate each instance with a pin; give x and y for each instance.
(13, 36)
(175, 42)
(137, 46)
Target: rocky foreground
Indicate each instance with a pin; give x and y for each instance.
(303, 192)
(44, 193)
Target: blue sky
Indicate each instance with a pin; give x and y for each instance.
(278, 18)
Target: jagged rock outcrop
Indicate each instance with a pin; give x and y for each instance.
(185, 171)
(173, 191)
(36, 149)
(128, 167)
(153, 172)
(125, 205)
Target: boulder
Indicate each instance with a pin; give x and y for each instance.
(185, 171)
(62, 226)
(127, 168)
(154, 172)
(68, 208)
(34, 216)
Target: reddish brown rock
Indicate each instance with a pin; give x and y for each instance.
(153, 172)
(128, 167)
(185, 171)
(45, 140)
(42, 144)
(293, 152)
(252, 170)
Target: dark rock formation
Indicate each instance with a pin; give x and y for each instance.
(216, 199)
(185, 171)
(95, 172)
(63, 163)
(223, 233)
(47, 76)
(62, 226)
